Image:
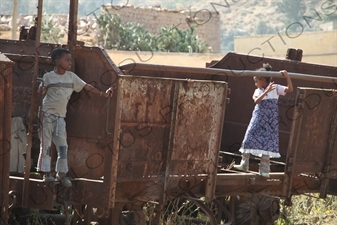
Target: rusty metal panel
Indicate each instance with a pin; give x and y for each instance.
(86, 158)
(22, 79)
(314, 113)
(195, 134)
(146, 106)
(6, 69)
(196, 130)
(41, 195)
(312, 146)
(84, 192)
(240, 184)
(169, 127)
(46, 195)
(89, 149)
(26, 47)
(86, 109)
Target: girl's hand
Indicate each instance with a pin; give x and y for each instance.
(289, 83)
(270, 87)
(284, 73)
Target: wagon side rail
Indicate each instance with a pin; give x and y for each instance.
(312, 151)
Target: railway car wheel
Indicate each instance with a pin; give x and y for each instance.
(256, 209)
(192, 210)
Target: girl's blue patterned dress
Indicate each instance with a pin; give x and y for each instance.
(262, 137)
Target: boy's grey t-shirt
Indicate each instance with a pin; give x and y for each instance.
(59, 90)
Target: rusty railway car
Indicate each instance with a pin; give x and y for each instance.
(167, 132)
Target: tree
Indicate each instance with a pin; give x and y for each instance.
(293, 11)
(134, 37)
(263, 28)
(172, 39)
(50, 31)
(129, 37)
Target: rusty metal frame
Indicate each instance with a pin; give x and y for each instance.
(32, 113)
(112, 180)
(72, 31)
(6, 67)
(299, 162)
(43, 196)
(330, 151)
(213, 72)
(293, 146)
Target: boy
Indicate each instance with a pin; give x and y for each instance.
(58, 87)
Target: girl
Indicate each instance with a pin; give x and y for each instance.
(261, 138)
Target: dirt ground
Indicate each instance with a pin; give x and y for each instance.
(7, 35)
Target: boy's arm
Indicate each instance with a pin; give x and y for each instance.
(91, 89)
(42, 89)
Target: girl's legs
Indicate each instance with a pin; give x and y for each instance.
(264, 166)
(244, 164)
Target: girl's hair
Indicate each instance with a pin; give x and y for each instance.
(58, 53)
(265, 67)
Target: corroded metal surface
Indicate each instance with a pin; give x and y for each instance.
(312, 145)
(84, 192)
(169, 128)
(32, 108)
(6, 69)
(245, 183)
(101, 74)
(22, 78)
(41, 195)
(159, 136)
(90, 126)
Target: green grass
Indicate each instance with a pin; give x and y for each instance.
(309, 209)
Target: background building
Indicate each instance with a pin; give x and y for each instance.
(153, 18)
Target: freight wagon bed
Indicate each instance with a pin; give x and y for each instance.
(140, 145)
(159, 136)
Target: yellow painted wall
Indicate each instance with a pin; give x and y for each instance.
(318, 47)
(163, 58)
